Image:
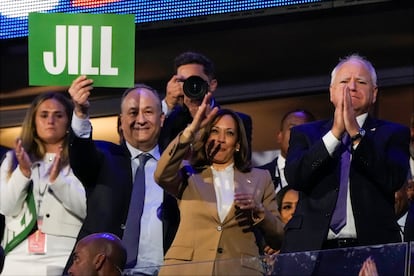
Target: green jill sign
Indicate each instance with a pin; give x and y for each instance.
(64, 46)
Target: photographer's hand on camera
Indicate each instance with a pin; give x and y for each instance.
(174, 94)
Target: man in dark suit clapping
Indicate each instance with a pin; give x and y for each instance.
(360, 211)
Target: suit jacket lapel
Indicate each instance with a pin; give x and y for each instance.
(370, 124)
(326, 127)
(241, 185)
(205, 186)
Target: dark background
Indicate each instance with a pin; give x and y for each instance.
(278, 55)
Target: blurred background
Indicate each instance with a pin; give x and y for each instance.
(270, 56)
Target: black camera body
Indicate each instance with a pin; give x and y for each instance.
(195, 88)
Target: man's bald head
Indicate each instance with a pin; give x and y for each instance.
(99, 254)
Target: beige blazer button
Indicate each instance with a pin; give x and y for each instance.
(219, 228)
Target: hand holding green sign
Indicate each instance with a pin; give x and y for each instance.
(63, 46)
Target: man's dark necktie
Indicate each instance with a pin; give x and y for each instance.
(133, 224)
(338, 220)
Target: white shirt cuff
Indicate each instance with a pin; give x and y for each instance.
(81, 127)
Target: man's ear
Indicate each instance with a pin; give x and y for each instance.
(374, 94)
(213, 85)
(279, 137)
(98, 261)
(331, 94)
(162, 118)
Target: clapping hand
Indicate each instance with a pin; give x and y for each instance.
(56, 167)
(23, 159)
(247, 210)
(344, 116)
(174, 94)
(369, 268)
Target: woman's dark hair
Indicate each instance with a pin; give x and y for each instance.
(199, 159)
(280, 195)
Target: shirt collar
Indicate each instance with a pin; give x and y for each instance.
(229, 168)
(281, 161)
(155, 152)
(361, 119)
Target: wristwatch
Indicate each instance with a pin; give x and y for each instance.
(359, 135)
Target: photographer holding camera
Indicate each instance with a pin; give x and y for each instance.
(194, 77)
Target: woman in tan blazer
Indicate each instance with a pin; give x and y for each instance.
(222, 200)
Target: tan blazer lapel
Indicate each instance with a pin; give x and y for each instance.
(205, 186)
(244, 183)
(241, 185)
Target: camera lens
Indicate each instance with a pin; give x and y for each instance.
(195, 88)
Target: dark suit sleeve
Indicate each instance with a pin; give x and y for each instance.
(2, 255)
(308, 160)
(84, 159)
(382, 156)
(3, 151)
(176, 122)
(2, 226)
